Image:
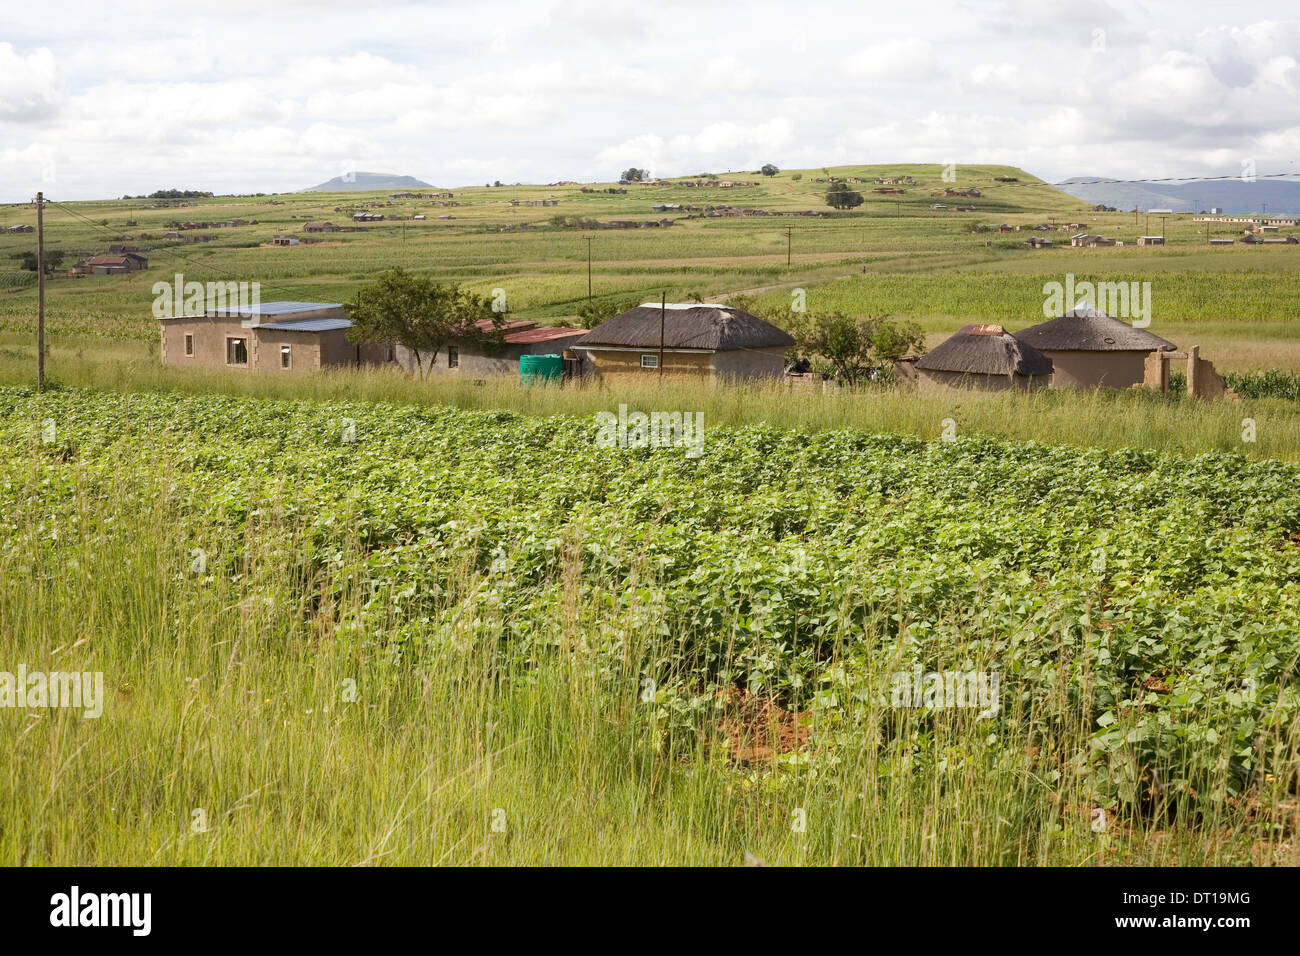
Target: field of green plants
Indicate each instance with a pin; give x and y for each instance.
(364, 633)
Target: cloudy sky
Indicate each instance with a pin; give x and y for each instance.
(99, 101)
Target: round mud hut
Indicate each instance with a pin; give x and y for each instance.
(1089, 348)
(984, 357)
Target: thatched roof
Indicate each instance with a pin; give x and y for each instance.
(687, 326)
(1086, 329)
(985, 350)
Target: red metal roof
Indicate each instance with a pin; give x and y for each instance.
(543, 334)
(507, 325)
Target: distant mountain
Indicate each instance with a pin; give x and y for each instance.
(1233, 196)
(359, 181)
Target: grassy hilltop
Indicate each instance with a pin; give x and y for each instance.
(892, 254)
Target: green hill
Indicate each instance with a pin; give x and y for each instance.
(358, 182)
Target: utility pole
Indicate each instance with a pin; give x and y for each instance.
(789, 243)
(1162, 230)
(663, 318)
(589, 239)
(40, 291)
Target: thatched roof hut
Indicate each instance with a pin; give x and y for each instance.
(688, 325)
(698, 339)
(1090, 330)
(986, 357)
(1089, 348)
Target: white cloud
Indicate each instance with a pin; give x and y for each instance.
(558, 89)
(713, 148)
(895, 61)
(30, 87)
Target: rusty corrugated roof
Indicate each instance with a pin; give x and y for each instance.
(545, 333)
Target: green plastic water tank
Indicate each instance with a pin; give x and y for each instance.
(540, 368)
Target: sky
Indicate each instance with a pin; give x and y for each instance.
(277, 95)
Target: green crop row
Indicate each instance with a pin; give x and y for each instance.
(1141, 611)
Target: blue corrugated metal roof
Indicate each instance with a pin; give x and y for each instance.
(308, 325)
(278, 308)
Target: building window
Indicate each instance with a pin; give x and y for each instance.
(189, 344)
(286, 359)
(649, 361)
(236, 351)
(390, 354)
(453, 357)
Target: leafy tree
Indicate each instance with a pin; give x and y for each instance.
(855, 347)
(423, 315)
(767, 169)
(891, 341)
(841, 196)
(797, 176)
(634, 175)
(53, 259)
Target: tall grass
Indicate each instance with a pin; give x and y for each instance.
(232, 735)
(1133, 419)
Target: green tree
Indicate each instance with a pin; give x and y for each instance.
(853, 346)
(53, 259)
(423, 315)
(841, 196)
(634, 175)
(767, 169)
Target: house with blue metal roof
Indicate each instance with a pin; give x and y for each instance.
(268, 337)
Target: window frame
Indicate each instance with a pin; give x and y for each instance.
(654, 360)
(188, 343)
(247, 357)
(453, 357)
(286, 353)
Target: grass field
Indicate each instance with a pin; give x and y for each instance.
(357, 618)
(1095, 419)
(401, 649)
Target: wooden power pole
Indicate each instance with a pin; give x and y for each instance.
(589, 240)
(663, 318)
(40, 291)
